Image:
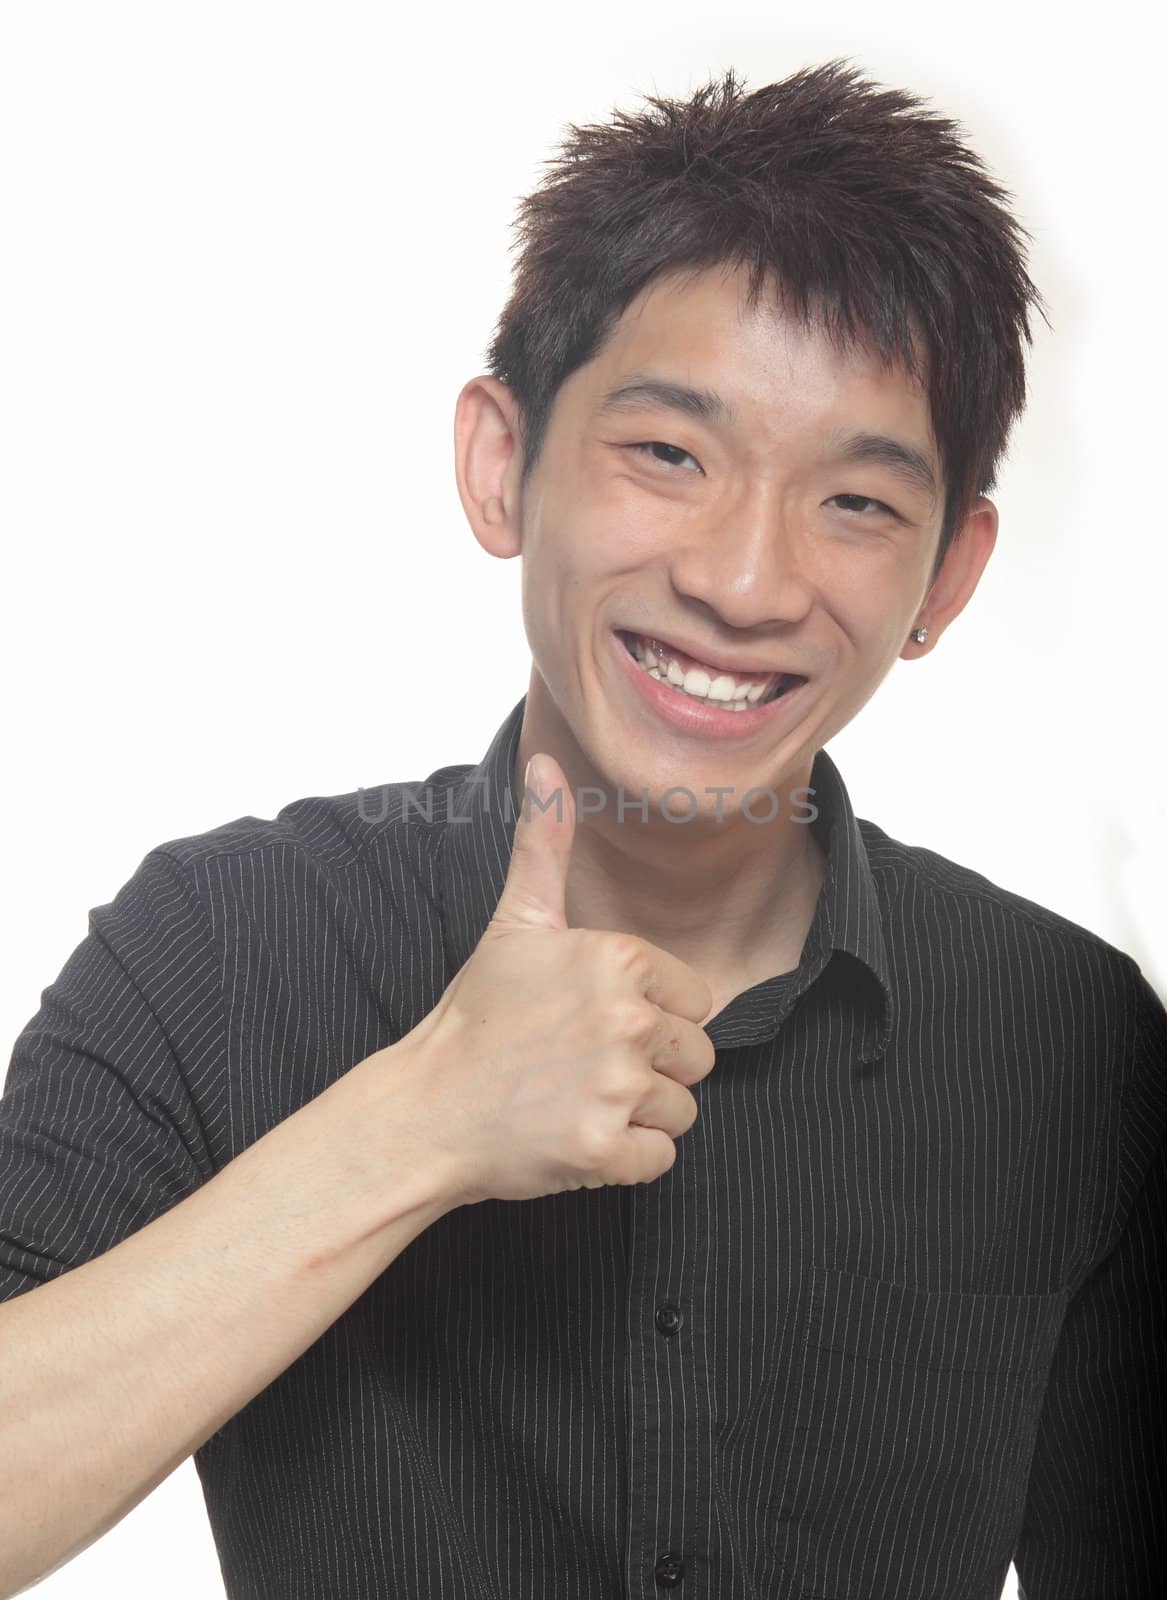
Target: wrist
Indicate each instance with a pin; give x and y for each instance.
(361, 1159)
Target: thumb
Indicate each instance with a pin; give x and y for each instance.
(535, 891)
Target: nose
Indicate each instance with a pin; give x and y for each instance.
(750, 566)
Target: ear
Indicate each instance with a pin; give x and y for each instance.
(964, 562)
(488, 464)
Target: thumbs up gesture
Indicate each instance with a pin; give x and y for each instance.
(557, 1058)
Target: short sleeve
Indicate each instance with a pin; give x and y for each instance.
(109, 1088)
(1095, 1524)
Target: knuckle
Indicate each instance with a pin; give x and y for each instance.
(626, 951)
(621, 1082)
(593, 1147)
(635, 1020)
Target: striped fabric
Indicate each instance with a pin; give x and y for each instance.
(895, 1317)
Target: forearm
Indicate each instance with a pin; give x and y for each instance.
(114, 1373)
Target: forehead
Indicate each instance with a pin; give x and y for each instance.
(763, 360)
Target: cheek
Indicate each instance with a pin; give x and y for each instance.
(588, 543)
(872, 606)
(555, 592)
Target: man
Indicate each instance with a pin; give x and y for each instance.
(630, 1171)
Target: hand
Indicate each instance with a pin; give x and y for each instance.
(557, 1058)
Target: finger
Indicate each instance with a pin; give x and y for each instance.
(672, 984)
(535, 892)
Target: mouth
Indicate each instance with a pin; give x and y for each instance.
(694, 713)
(737, 694)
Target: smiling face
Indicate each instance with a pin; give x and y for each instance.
(757, 528)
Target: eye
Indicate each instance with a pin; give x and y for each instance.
(856, 501)
(860, 500)
(659, 444)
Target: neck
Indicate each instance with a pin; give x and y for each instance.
(733, 898)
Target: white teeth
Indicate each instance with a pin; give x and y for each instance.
(723, 688)
(731, 705)
(733, 696)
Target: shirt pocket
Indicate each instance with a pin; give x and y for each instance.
(909, 1435)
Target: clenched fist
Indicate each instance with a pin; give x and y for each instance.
(557, 1058)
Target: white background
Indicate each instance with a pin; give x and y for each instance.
(250, 254)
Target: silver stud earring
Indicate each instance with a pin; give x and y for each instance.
(919, 635)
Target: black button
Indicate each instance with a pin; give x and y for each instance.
(668, 1317)
(669, 1571)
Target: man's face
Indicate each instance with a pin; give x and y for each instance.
(757, 537)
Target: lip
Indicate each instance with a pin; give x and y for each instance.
(698, 658)
(704, 718)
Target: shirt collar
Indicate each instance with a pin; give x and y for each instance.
(475, 857)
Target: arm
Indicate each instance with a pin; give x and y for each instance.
(149, 1285)
(1095, 1525)
(115, 1372)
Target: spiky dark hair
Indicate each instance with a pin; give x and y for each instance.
(865, 207)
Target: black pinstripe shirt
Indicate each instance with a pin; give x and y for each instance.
(895, 1316)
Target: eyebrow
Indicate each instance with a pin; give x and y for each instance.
(651, 394)
(911, 465)
(644, 393)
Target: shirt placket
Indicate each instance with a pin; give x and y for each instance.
(671, 1523)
